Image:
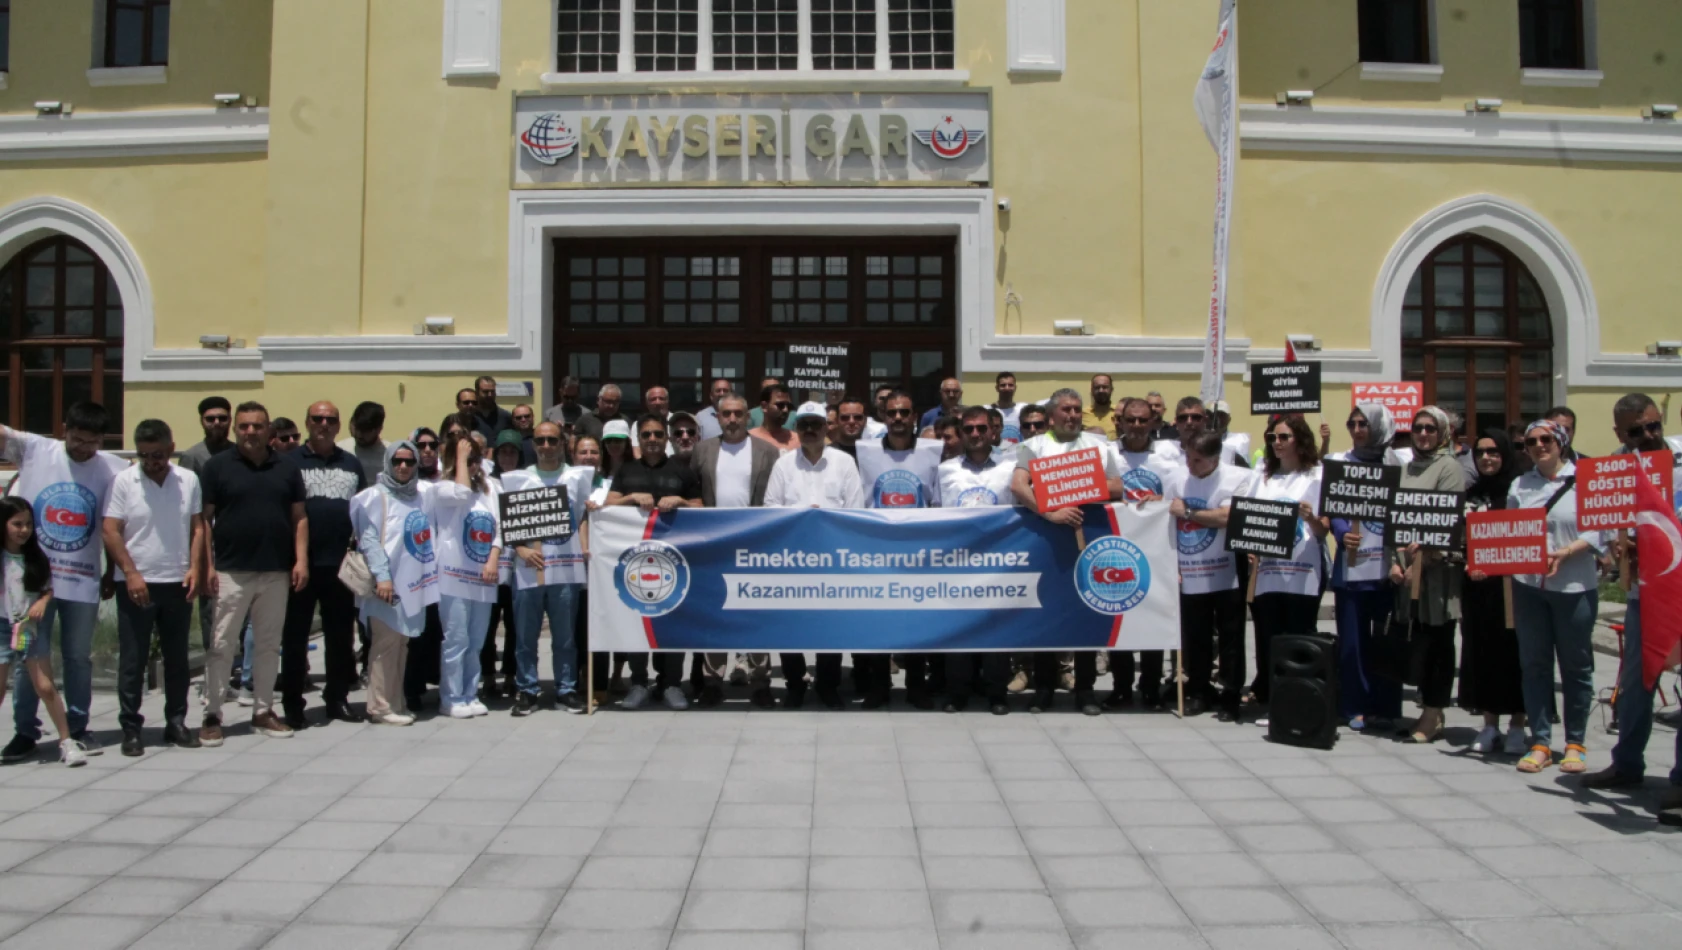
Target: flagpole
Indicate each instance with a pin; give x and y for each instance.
(1215, 99)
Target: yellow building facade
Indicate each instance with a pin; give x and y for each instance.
(291, 200)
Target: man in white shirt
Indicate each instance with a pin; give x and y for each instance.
(813, 476)
(1144, 474)
(1009, 408)
(154, 534)
(1211, 601)
(1191, 419)
(734, 472)
(977, 479)
(1065, 435)
(67, 483)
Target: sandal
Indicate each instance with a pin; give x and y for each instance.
(1538, 758)
(1573, 761)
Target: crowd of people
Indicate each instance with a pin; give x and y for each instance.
(253, 524)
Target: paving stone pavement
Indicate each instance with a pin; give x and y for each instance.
(755, 829)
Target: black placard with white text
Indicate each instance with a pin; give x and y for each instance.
(535, 514)
(816, 366)
(1284, 387)
(1359, 491)
(1263, 528)
(1435, 520)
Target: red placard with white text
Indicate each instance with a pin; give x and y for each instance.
(1606, 487)
(1499, 543)
(1070, 479)
(1402, 399)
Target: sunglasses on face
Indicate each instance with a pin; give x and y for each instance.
(1035, 425)
(426, 445)
(1190, 417)
(286, 437)
(651, 436)
(1491, 452)
(851, 417)
(1538, 440)
(784, 406)
(545, 440)
(322, 420)
(897, 413)
(1425, 427)
(1638, 430)
(216, 420)
(684, 433)
(1273, 437)
(977, 429)
(397, 462)
(1135, 421)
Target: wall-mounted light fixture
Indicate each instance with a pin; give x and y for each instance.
(1484, 105)
(52, 107)
(1295, 97)
(1071, 328)
(1659, 110)
(1665, 349)
(214, 341)
(1306, 344)
(438, 326)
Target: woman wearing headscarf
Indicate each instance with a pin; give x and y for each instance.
(469, 544)
(393, 525)
(1432, 468)
(1489, 658)
(1555, 613)
(1360, 586)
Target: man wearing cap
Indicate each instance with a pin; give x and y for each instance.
(735, 471)
(654, 481)
(813, 476)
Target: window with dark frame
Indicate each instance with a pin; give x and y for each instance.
(587, 36)
(136, 33)
(61, 338)
(667, 35)
(5, 36)
(1551, 34)
(729, 306)
(1476, 330)
(756, 35)
(921, 34)
(1395, 31)
(844, 34)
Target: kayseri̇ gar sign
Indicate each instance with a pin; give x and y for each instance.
(745, 138)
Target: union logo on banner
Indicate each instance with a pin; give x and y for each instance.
(549, 139)
(478, 533)
(949, 138)
(653, 578)
(417, 537)
(1112, 575)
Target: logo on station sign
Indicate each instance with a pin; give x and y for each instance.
(948, 139)
(549, 139)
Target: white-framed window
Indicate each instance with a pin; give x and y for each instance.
(623, 37)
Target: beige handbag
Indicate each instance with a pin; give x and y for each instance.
(353, 570)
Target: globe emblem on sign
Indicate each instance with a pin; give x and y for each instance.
(653, 578)
(549, 139)
(417, 537)
(1193, 538)
(978, 497)
(1140, 482)
(898, 489)
(1112, 575)
(1010, 433)
(64, 516)
(478, 533)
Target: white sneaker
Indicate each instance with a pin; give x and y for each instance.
(478, 708)
(675, 698)
(637, 698)
(246, 699)
(393, 719)
(71, 753)
(1517, 742)
(461, 711)
(1486, 740)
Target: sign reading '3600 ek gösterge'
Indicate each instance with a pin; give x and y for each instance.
(805, 138)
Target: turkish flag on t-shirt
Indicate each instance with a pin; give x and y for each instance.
(1658, 543)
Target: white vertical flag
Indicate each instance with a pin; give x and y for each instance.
(1216, 101)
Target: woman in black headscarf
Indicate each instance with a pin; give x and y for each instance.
(1490, 680)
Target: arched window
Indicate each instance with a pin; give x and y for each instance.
(1476, 330)
(61, 337)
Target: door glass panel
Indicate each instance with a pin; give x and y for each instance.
(38, 403)
(78, 286)
(886, 366)
(1492, 394)
(77, 388)
(1413, 324)
(1451, 287)
(1489, 287)
(1529, 295)
(1532, 326)
(1489, 323)
(41, 290)
(1451, 393)
(78, 322)
(1416, 290)
(684, 380)
(775, 365)
(1451, 322)
(1490, 361)
(1451, 361)
(1535, 396)
(1482, 254)
(928, 368)
(78, 358)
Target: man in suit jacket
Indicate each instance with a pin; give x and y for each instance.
(734, 470)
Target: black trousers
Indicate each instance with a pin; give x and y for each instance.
(961, 669)
(668, 669)
(501, 612)
(1149, 668)
(1436, 676)
(424, 659)
(1274, 614)
(873, 672)
(1047, 669)
(828, 672)
(171, 616)
(1205, 621)
(924, 672)
(338, 639)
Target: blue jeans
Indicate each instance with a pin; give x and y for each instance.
(75, 641)
(248, 649)
(1635, 707)
(530, 604)
(1550, 624)
(1361, 614)
(465, 624)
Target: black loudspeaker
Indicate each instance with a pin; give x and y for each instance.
(1303, 710)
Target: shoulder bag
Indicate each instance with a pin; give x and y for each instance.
(353, 570)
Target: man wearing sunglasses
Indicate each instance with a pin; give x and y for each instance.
(332, 477)
(815, 476)
(653, 481)
(851, 417)
(1191, 420)
(775, 403)
(284, 437)
(216, 419)
(1640, 428)
(978, 478)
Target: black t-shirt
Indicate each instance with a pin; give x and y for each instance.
(330, 482)
(852, 449)
(490, 426)
(668, 478)
(253, 529)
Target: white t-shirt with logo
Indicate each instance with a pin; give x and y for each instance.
(1206, 566)
(1174, 452)
(733, 476)
(1012, 432)
(1301, 572)
(964, 485)
(562, 563)
(900, 478)
(157, 521)
(69, 500)
(464, 534)
(1144, 473)
(1046, 444)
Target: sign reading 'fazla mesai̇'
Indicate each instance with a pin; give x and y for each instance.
(794, 138)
